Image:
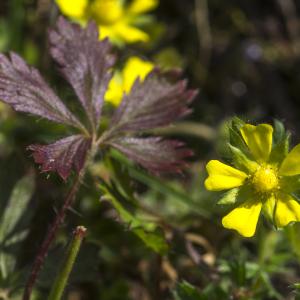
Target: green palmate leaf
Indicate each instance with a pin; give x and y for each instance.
(241, 161)
(148, 232)
(229, 197)
(186, 291)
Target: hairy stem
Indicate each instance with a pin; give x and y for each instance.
(60, 217)
(67, 265)
(43, 251)
(49, 238)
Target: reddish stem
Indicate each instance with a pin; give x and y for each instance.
(43, 251)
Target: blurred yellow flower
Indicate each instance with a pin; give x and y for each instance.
(266, 182)
(74, 9)
(122, 81)
(116, 19)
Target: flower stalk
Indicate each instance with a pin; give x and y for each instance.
(67, 266)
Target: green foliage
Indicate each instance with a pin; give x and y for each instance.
(148, 232)
(244, 58)
(186, 291)
(11, 235)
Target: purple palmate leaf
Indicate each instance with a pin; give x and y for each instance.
(153, 153)
(152, 103)
(85, 62)
(25, 90)
(62, 155)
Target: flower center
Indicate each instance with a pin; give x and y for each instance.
(265, 179)
(106, 12)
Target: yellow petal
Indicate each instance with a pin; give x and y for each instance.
(73, 8)
(110, 32)
(129, 33)
(134, 68)
(258, 139)
(223, 177)
(106, 12)
(142, 6)
(287, 210)
(291, 164)
(122, 82)
(115, 91)
(105, 31)
(244, 218)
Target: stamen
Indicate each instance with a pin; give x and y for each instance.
(265, 179)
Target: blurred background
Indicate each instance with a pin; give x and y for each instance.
(244, 57)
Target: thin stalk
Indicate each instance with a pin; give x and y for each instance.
(67, 266)
(43, 251)
(60, 217)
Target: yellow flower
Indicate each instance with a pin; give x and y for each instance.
(265, 181)
(74, 9)
(122, 81)
(116, 19)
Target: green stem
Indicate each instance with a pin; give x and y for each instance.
(67, 266)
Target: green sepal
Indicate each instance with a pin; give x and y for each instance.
(279, 132)
(229, 197)
(270, 214)
(235, 137)
(236, 140)
(241, 161)
(290, 184)
(280, 151)
(281, 144)
(237, 123)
